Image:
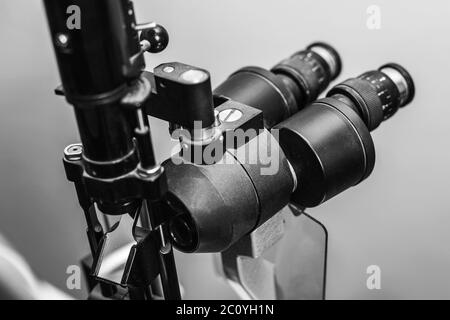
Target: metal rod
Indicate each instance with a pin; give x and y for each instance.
(168, 270)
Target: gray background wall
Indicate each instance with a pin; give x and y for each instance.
(398, 219)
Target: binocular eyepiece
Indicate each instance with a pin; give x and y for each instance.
(324, 147)
(329, 143)
(376, 95)
(288, 86)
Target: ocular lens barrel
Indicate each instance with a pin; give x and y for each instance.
(288, 87)
(376, 95)
(329, 144)
(311, 69)
(330, 149)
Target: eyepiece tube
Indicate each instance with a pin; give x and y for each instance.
(324, 149)
(376, 95)
(287, 87)
(329, 143)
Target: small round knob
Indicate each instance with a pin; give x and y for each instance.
(73, 152)
(157, 36)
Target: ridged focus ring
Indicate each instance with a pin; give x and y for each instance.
(365, 97)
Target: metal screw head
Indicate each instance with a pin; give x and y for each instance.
(230, 115)
(73, 152)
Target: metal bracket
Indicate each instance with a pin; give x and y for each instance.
(126, 258)
(256, 272)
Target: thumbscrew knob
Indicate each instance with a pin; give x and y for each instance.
(157, 36)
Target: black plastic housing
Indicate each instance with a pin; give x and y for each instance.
(330, 149)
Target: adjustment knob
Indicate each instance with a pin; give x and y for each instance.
(157, 36)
